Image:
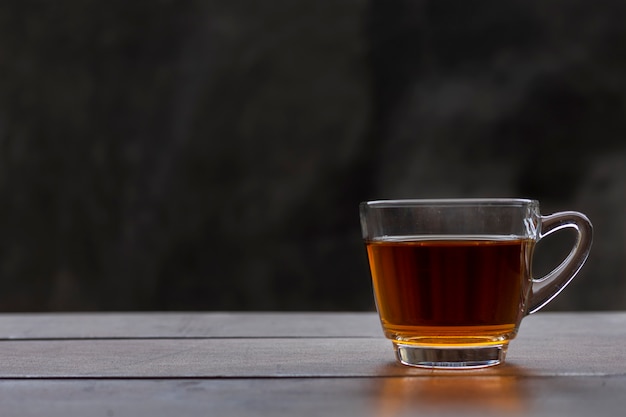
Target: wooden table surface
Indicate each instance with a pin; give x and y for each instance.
(296, 364)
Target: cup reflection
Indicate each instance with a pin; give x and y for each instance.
(454, 394)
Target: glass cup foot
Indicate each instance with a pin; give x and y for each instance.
(468, 357)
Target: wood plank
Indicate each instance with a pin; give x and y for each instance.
(588, 345)
(427, 396)
(187, 325)
(31, 326)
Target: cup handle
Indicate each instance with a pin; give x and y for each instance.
(546, 288)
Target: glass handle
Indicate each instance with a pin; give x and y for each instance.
(546, 288)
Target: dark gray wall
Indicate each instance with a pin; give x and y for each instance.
(211, 155)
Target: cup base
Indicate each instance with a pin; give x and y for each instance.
(467, 357)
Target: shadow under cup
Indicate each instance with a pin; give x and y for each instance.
(452, 278)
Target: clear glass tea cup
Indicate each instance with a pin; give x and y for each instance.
(452, 278)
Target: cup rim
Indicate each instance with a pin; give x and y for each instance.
(411, 202)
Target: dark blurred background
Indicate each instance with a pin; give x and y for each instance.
(211, 155)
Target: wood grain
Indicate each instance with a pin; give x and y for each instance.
(187, 325)
(548, 345)
(304, 397)
(305, 364)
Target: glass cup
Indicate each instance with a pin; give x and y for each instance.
(452, 278)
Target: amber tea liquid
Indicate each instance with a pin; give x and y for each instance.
(452, 290)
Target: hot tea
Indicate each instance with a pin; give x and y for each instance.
(470, 290)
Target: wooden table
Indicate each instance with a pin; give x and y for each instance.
(296, 364)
